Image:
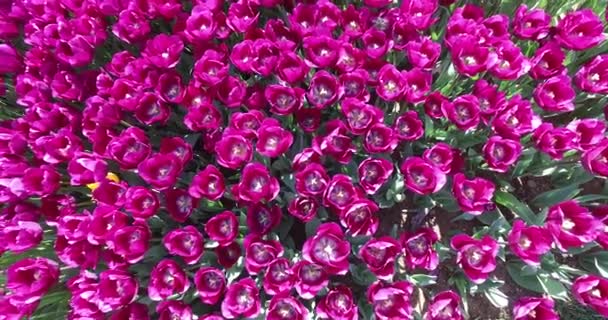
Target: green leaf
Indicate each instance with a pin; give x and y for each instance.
(465, 140)
(464, 217)
(526, 281)
(517, 207)
(361, 275)
(289, 181)
(446, 200)
(549, 198)
(579, 250)
(524, 162)
(312, 226)
(539, 282)
(575, 175)
(191, 139)
(462, 285)
(553, 287)
(591, 198)
(528, 270)
(398, 184)
(497, 297)
(285, 226)
(421, 280)
(596, 262)
(365, 308)
(235, 271)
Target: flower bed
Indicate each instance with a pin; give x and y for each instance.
(266, 159)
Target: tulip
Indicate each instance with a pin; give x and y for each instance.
(444, 305)
(391, 300)
(421, 176)
(572, 225)
(328, 249)
(260, 253)
(281, 305)
(531, 24)
(279, 277)
(418, 248)
(241, 300)
(210, 284)
(222, 228)
(477, 258)
(167, 279)
(580, 30)
(379, 255)
(529, 243)
(373, 173)
(360, 218)
(591, 290)
(338, 304)
(186, 242)
(473, 196)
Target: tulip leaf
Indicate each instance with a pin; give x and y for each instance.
(538, 282)
(446, 201)
(365, 308)
(591, 198)
(552, 197)
(191, 139)
(572, 176)
(312, 226)
(524, 162)
(235, 271)
(553, 287)
(496, 297)
(517, 207)
(596, 262)
(289, 181)
(285, 226)
(361, 275)
(421, 280)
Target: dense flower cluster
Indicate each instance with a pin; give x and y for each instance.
(231, 159)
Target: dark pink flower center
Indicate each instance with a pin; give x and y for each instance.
(339, 195)
(446, 313)
(462, 113)
(341, 302)
(212, 280)
(325, 249)
(279, 272)
(371, 172)
(285, 101)
(184, 204)
(244, 299)
(418, 246)
(188, 242)
(260, 253)
(263, 217)
(358, 118)
(225, 228)
(498, 152)
(285, 310)
(351, 88)
(272, 142)
(469, 193)
(311, 273)
(257, 184)
(322, 93)
(420, 179)
(474, 255)
(238, 150)
(375, 138)
(377, 255)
